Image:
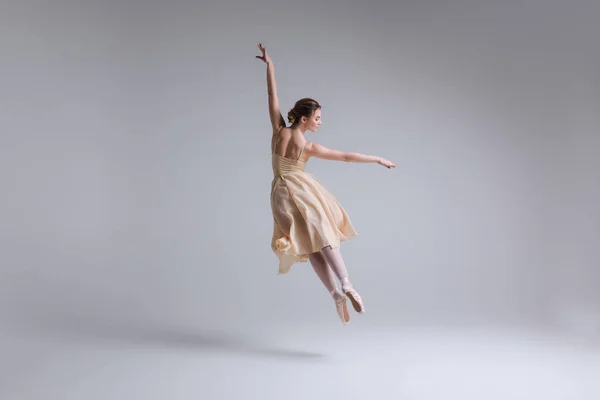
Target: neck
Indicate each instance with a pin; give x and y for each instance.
(299, 128)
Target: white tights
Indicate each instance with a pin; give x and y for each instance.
(327, 262)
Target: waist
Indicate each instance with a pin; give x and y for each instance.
(285, 168)
(283, 175)
(285, 171)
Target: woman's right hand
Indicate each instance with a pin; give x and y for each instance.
(386, 163)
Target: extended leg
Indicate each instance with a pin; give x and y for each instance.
(326, 275)
(333, 256)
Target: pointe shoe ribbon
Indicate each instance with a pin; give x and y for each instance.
(342, 309)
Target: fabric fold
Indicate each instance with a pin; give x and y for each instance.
(306, 216)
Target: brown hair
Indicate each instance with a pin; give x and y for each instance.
(303, 108)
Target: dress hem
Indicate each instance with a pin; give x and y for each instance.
(302, 258)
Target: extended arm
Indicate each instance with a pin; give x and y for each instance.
(277, 121)
(320, 151)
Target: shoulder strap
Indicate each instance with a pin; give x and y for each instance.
(302, 150)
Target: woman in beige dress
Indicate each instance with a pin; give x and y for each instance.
(308, 222)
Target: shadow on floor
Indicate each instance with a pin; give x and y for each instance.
(131, 333)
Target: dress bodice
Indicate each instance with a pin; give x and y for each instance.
(283, 165)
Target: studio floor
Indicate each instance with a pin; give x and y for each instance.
(89, 361)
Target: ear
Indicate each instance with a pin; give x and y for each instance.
(303, 119)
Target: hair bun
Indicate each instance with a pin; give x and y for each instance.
(291, 116)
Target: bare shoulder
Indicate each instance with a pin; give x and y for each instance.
(285, 130)
(311, 147)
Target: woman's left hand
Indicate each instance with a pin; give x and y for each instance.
(265, 56)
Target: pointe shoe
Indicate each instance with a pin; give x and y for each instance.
(355, 299)
(342, 309)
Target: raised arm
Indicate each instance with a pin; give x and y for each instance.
(317, 150)
(277, 120)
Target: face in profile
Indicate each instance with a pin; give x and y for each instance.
(313, 123)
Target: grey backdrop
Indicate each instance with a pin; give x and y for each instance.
(135, 167)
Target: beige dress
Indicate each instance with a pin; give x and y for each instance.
(306, 216)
